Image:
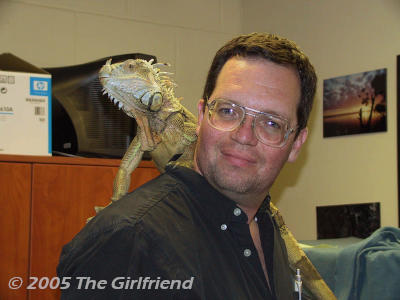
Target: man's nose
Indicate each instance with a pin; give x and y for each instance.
(244, 134)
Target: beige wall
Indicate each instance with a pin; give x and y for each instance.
(185, 33)
(341, 37)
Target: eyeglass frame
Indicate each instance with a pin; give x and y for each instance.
(254, 113)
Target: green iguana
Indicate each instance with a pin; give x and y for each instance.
(165, 129)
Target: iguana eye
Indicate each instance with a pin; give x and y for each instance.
(153, 101)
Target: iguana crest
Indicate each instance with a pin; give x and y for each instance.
(165, 128)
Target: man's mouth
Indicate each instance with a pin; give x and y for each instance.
(239, 159)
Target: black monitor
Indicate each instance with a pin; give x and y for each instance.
(84, 121)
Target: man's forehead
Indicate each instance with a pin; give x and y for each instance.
(260, 84)
(236, 65)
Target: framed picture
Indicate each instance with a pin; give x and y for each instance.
(355, 104)
(356, 220)
(398, 134)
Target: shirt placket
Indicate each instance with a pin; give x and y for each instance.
(240, 231)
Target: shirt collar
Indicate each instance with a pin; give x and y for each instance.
(220, 208)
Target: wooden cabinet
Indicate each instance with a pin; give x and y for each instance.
(46, 201)
(15, 191)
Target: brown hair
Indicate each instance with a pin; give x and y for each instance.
(273, 48)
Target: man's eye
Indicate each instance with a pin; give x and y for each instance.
(273, 124)
(226, 111)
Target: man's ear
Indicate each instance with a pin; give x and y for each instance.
(297, 144)
(200, 112)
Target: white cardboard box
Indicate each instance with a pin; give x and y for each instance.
(25, 108)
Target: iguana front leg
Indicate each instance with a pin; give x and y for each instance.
(143, 141)
(122, 180)
(129, 162)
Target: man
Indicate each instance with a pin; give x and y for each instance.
(207, 233)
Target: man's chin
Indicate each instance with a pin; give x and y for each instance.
(236, 184)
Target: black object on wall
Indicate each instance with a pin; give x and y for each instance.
(84, 121)
(398, 135)
(353, 220)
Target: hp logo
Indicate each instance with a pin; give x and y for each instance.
(40, 85)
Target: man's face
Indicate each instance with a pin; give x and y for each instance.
(235, 162)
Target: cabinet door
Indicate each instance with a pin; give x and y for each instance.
(15, 201)
(63, 197)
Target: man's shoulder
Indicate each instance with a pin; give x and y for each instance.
(150, 200)
(146, 214)
(157, 201)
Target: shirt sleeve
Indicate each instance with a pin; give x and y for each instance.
(124, 262)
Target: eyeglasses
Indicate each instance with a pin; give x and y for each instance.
(271, 130)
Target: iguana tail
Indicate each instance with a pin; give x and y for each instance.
(298, 260)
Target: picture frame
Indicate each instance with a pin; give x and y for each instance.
(398, 134)
(355, 103)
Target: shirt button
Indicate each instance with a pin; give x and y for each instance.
(224, 227)
(237, 212)
(247, 252)
(255, 219)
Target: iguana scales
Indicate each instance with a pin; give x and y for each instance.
(165, 129)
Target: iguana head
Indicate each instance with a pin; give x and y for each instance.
(135, 85)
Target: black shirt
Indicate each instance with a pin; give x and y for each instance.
(185, 237)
